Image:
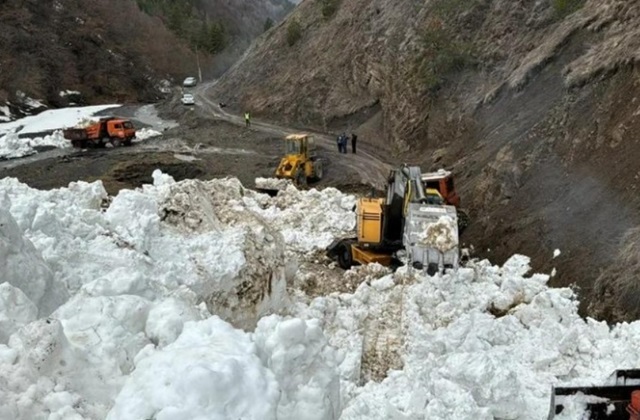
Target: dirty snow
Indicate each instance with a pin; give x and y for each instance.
(171, 301)
(11, 146)
(51, 120)
(5, 113)
(64, 93)
(442, 235)
(146, 133)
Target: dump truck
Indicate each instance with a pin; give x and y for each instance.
(300, 164)
(99, 133)
(409, 219)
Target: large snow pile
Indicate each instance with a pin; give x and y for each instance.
(130, 307)
(145, 271)
(11, 146)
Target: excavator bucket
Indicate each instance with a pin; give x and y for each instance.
(618, 400)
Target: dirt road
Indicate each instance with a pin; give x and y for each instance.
(371, 170)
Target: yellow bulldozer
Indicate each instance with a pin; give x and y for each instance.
(300, 164)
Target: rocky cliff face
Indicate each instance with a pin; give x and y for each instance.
(533, 104)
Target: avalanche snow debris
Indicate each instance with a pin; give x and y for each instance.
(150, 278)
(11, 146)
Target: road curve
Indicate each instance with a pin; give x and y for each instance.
(372, 171)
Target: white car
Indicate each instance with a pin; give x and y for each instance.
(189, 82)
(188, 99)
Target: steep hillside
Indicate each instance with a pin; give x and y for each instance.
(118, 50)
(101, 49)
(532, 103)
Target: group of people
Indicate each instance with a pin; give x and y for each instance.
(343, 139)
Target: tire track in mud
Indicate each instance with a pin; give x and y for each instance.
(372, 171)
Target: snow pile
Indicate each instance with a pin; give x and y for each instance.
(5, 113)
(275, 184)
(51, 120)
(11, 146)
(24, 268)
(442, 235)
(146, 133)
(295, 351)
(485, 342)
(64, 93)
(211, 371)
(147, 269)
(308, 220)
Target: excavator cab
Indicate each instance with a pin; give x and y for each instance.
(299, 164)
(442, 181)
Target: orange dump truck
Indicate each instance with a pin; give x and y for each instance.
(115, 131)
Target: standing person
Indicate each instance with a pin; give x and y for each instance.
(339, 143)
(343, 143)
(354, 139)
(247, 119)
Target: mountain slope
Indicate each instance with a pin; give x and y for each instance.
(528, 102)
(113, 50)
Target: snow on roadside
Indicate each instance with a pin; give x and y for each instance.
(51, 120)
(146, 133)
(11, 146)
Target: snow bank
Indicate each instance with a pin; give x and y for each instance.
(146, 133)
(24, 268)
(485, 342)
(308, 220)
(211, 371)
(51, 120)
(11, 146)
(297, 351)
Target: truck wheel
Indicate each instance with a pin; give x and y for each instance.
(127, 142)
(432, 269)
(300, 178)
(345, 257)
(115, 142)
(318, 169)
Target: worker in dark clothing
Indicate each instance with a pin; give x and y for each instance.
(339, 143)
(354, 139)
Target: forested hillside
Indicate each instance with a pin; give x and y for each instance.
(119, 50)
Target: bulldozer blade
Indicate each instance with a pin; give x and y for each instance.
(601, 402)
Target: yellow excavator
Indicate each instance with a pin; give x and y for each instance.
(300, 164)
(410, 219)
